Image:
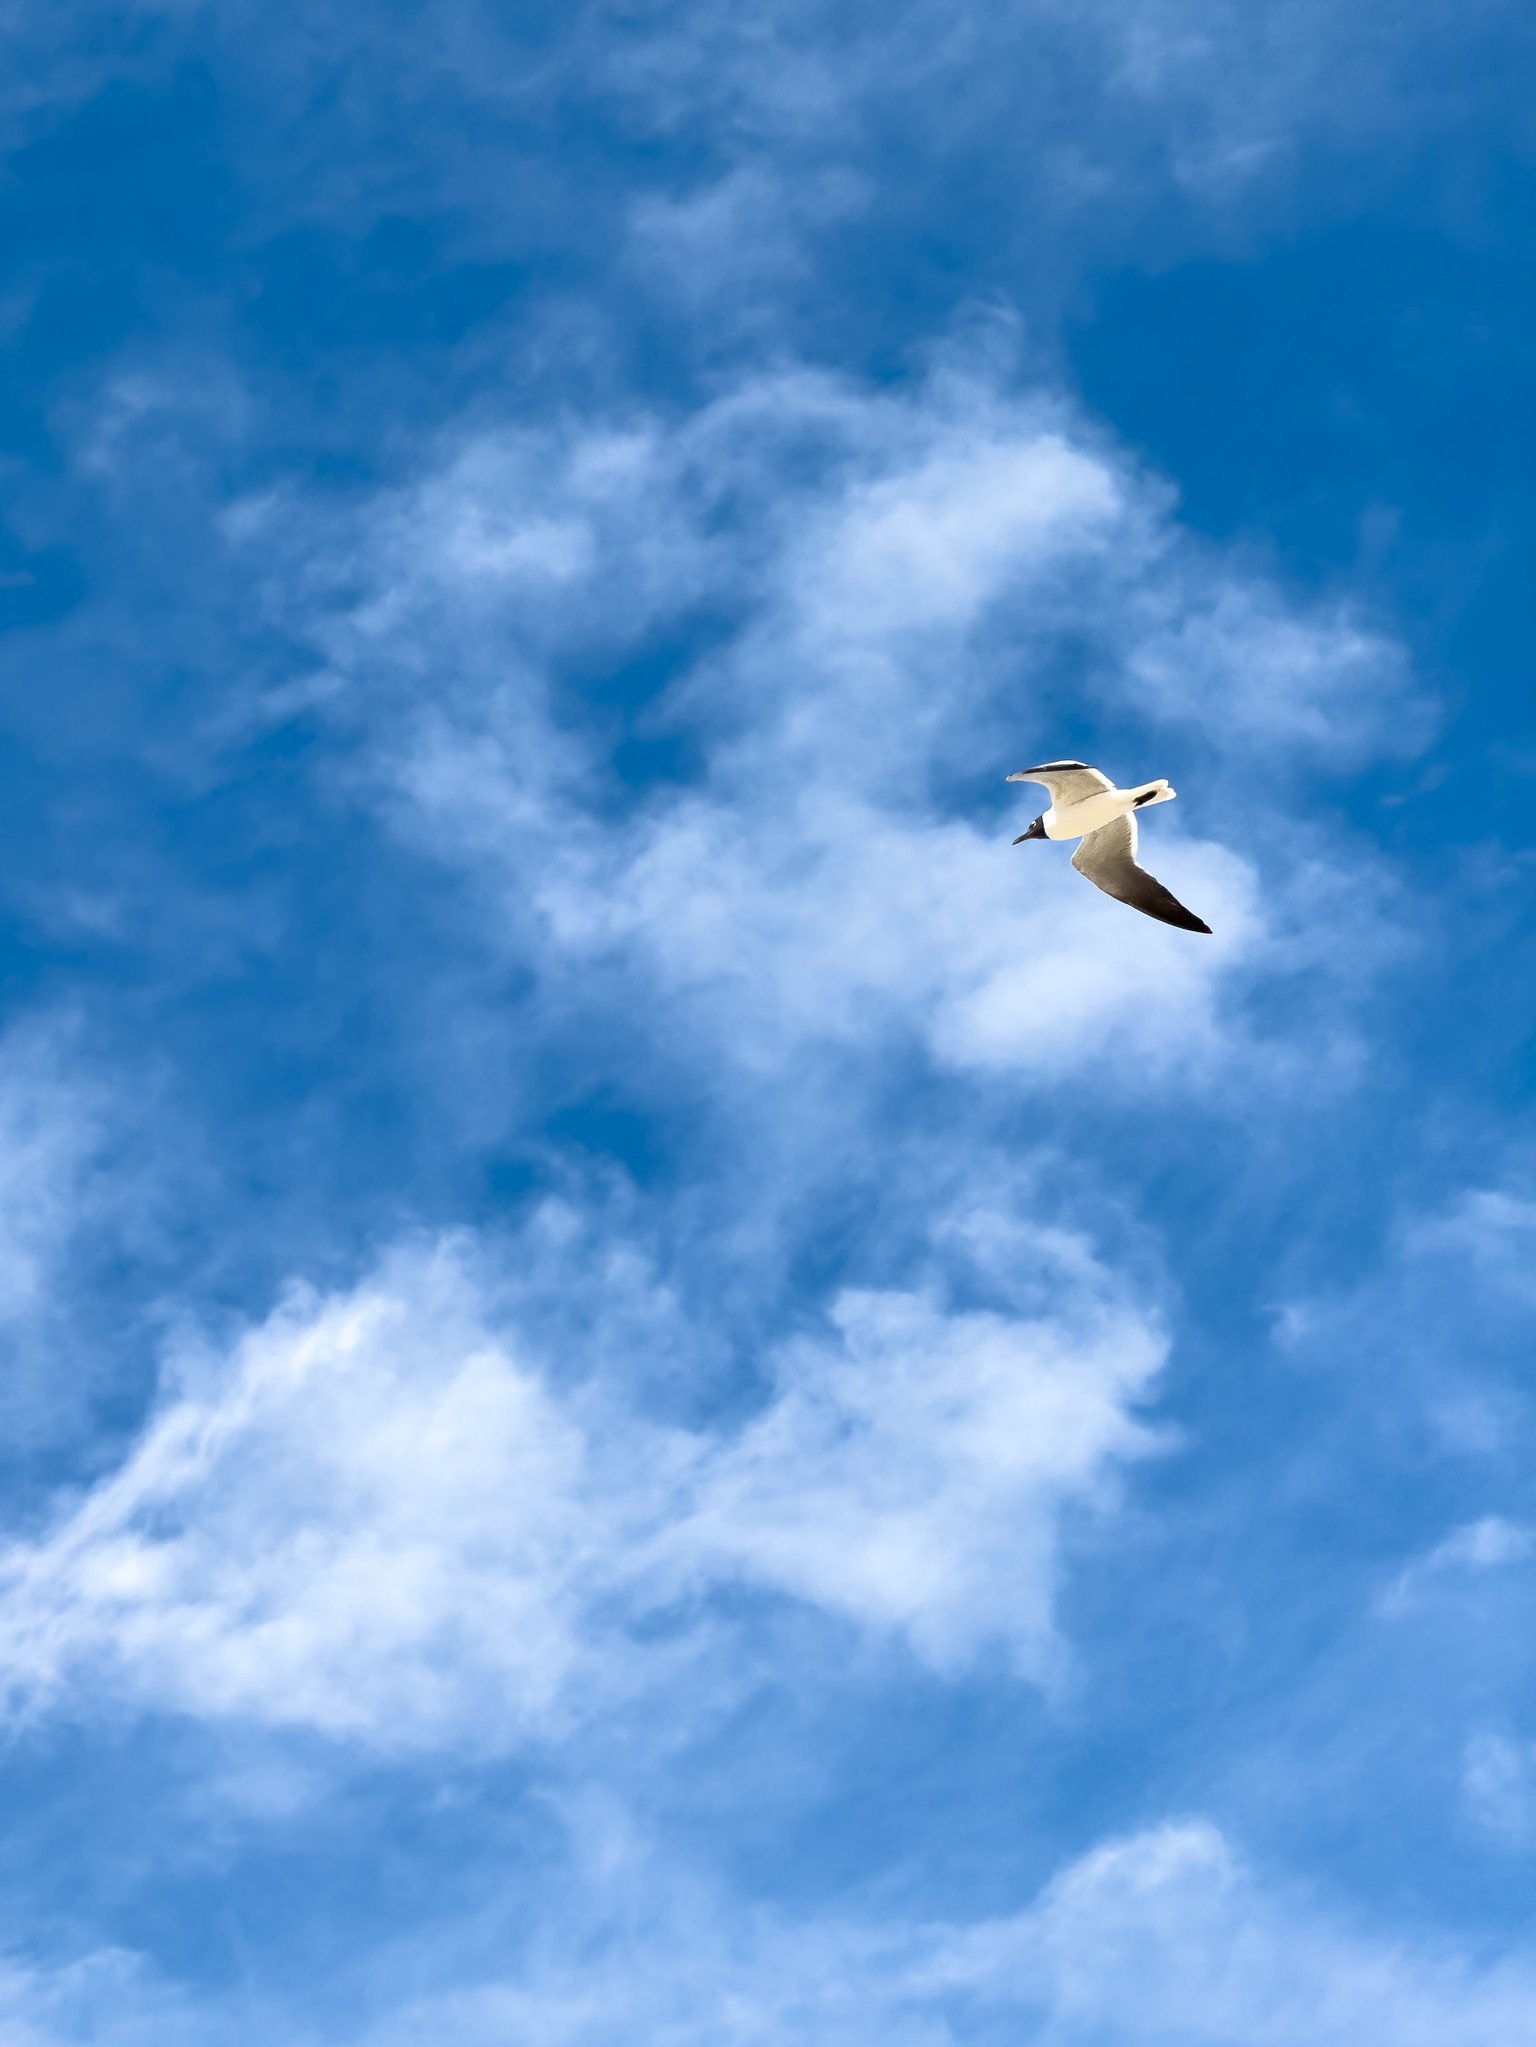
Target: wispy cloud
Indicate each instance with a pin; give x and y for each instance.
(50, 1127)
(1494, 1229)
(1166, 1934)
(75, 1195)
(871, 597)
(110, 1995)
(1443, 1323)
(1481, 1545)
(1499, 1779)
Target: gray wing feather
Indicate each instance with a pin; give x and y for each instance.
(1108, 858)
(1068, 781)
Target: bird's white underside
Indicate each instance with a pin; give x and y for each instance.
(1087, 806)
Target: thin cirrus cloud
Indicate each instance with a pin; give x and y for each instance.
(1159, 1935)
(382, 1520)
(1499, 1785)
(76, 1196)
(1219, 100)
(50, 1133)
(1486, 1544)
(1437, 1337)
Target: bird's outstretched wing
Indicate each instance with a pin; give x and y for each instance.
(1068, 781)
(1108, 858)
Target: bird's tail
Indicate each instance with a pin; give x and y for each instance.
(1154, 792)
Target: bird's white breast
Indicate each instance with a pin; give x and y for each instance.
(1076, 820)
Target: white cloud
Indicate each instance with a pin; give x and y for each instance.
(889, 579)
(833, 920)
(1235, 94)
(945, 533)
(1481, 1545)
(373, 1496)
(1234, 653)
(77, 1195)
(1492, 1228)
(909, 1473)
(382, 1518)
(1166, 1936)
(731, 247)
(1499, 1780)
(111, 1997)
(50, 1128)
(1438, 1336)
(1204, 97)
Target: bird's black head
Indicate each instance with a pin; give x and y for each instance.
(1036, 830)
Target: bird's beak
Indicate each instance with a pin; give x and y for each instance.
(1036, 831)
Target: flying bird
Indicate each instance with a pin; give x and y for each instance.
(1086, 805)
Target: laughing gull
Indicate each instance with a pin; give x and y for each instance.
(1086, 805)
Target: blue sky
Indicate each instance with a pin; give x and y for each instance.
(654, 1390)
